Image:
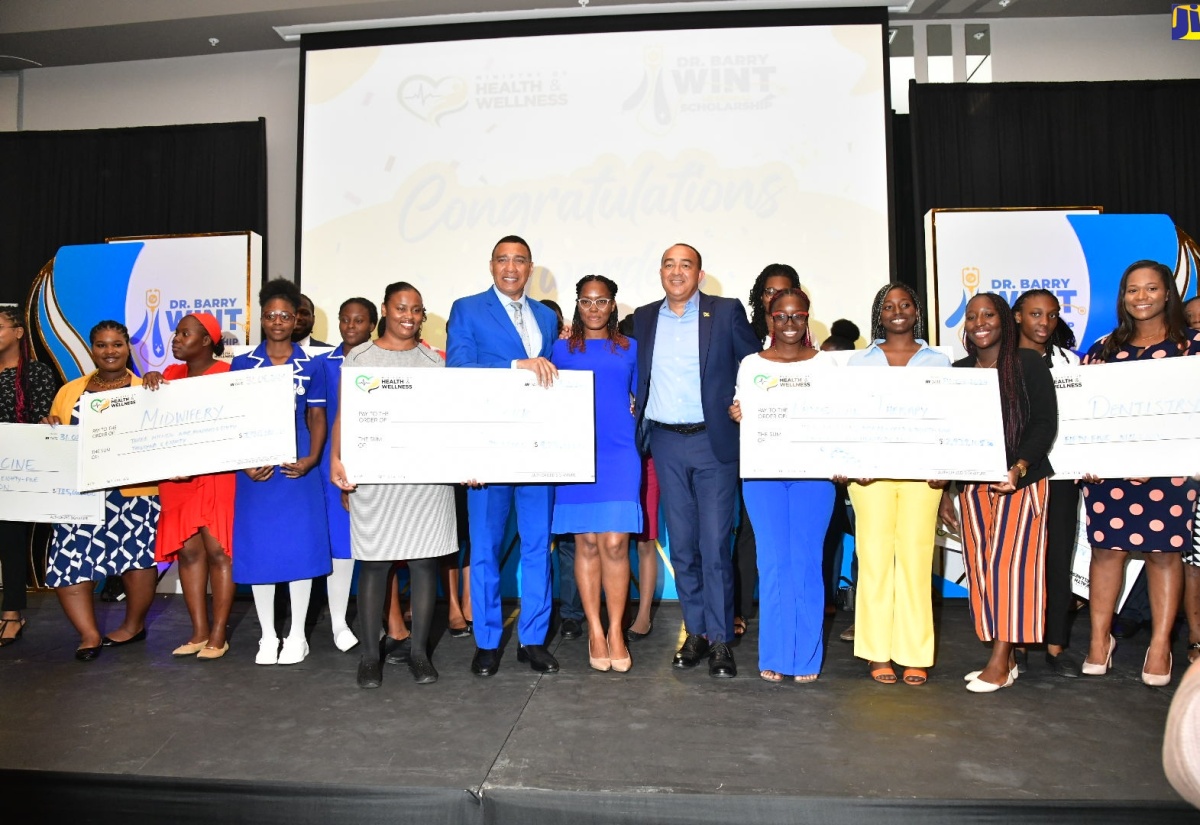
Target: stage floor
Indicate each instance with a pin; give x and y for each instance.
(136, 712)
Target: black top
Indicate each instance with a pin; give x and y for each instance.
(40, 386)
(1042, 424)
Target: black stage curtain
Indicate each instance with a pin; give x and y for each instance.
(79, 187)
(904, 216)
(1129, 147)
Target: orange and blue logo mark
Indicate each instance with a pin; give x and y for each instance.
(1185, 21)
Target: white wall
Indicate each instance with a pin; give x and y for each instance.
(210, 89)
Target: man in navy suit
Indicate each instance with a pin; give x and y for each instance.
(501, 328)
(689, 349)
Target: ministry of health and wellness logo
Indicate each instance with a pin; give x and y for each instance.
(1185, 21)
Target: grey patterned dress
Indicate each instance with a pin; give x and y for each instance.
(393, 522)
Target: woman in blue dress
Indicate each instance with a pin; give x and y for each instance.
(603, 514)
(279, 525)
(357, 318)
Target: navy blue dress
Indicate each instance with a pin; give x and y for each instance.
(339, 517)
(280, 531)
(613, 502)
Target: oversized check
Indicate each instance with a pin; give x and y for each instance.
(434, 426)
(37, 476)
(207, 424)
(818, 421)
(1130, 420)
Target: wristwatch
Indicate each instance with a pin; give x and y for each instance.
(1020, 468)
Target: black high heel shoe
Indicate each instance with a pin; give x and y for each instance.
(632, 635)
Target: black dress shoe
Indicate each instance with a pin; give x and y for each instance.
(538, 657)
(461, 632)
(370, 673)
(486, 661)
(397, 653)
(140, 636)
(87, 654)
(693, 650)
(423, 671)
(720, 662)
(571, 629)
(632, 635)
(1064, 664)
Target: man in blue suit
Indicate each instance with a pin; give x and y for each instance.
(503, 329)
(689, 348)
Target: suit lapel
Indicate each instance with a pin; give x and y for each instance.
(707, 305)
(500, 315)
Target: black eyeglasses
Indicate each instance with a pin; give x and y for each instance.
(781, 318)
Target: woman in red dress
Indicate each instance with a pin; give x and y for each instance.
(196, 523)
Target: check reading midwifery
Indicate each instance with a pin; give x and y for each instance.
(207, 424)
(1135, 420)
(917, 423)
(38, 465)
(405, 426)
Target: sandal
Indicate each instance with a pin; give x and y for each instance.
(739, 625)
(882, 672)
(1193, 651)
(915, 676)
(770, 676)
(5, 639)
(804, 680)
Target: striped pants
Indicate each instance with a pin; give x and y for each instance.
(1004, 553)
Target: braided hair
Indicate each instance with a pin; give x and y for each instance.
(1176, 324)
(24, 355)
(758, 315)
(1014, 398)
(1063, 336)
(615, 338)
(877, 331)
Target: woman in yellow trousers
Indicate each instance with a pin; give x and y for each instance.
(895, 521)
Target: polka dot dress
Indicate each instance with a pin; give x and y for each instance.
(1155, 516)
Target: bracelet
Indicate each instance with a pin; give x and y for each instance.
(1020, 468)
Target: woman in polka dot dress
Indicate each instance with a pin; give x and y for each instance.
(1151, 515)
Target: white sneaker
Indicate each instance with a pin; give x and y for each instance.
(345, 639)
(268, 652)
(294, 651)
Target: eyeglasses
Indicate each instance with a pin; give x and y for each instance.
(599, 303)
(781, 318)
(278, 315)
(770, 291)
(515, 260)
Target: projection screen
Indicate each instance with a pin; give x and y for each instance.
(757, 137)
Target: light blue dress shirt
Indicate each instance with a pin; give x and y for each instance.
(873, 356)
(675, 376)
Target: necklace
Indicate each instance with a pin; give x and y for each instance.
(119, 381)
(982, 365)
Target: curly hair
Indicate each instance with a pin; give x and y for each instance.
(877, 330)
(1014, 398)
(1063, 336)
(280, 288)
(1176, 324)
(758, 315)
(616, 339)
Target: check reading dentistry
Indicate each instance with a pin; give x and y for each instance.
(819, 421)
(1128, 420)
(37, 476)
(207, 424)
(422, 426)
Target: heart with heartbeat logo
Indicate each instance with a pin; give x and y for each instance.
(431, 100)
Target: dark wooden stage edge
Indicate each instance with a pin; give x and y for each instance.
(107, 800)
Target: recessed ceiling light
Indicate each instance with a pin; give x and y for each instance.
(212, 41)
(1004, 4)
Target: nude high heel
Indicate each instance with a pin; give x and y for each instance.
(1093, 669)
(601, 664)
(1155, 679)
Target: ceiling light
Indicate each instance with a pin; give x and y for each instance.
(212, 41)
